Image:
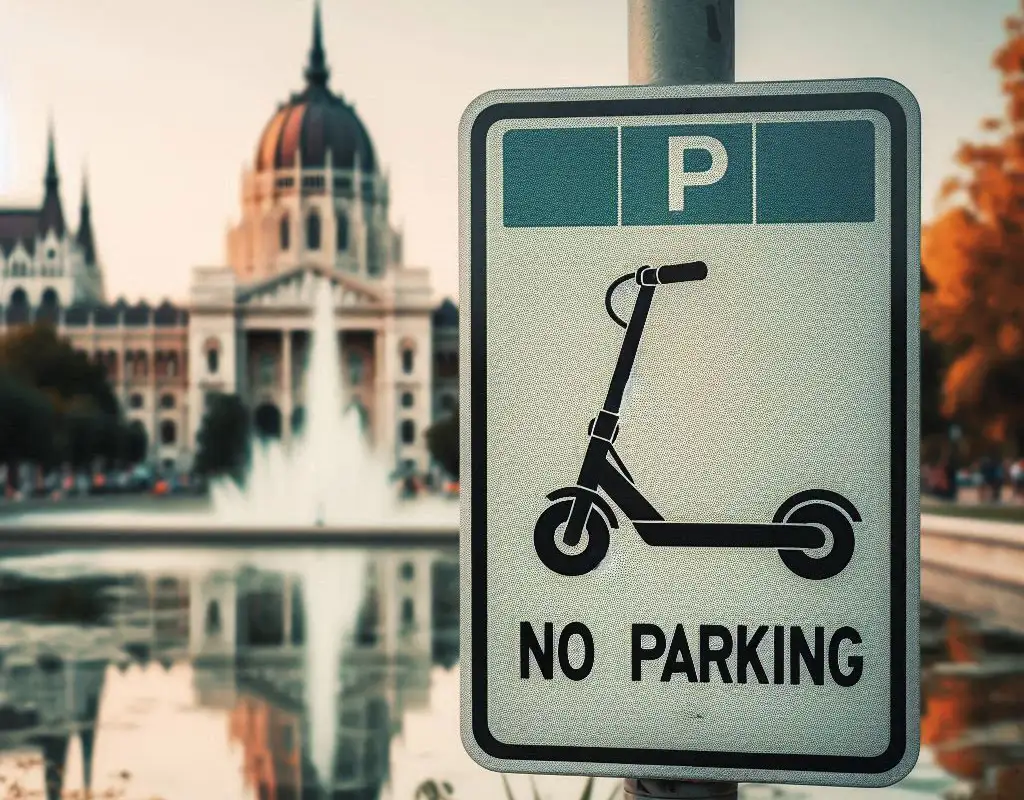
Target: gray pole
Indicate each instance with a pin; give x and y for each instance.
(673, 42)
(676, 42)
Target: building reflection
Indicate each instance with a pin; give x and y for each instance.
(973, 704)
(244, 633)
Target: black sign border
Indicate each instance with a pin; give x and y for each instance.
(653, 107)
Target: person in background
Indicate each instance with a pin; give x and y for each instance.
(1017, 477)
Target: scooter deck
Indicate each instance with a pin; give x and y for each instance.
(786, 536)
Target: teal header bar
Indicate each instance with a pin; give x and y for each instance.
(563, 177)
(816, 172)
(729, 174)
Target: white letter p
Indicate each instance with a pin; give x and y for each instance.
(679, 178)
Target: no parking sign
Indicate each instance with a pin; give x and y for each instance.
(690, 419)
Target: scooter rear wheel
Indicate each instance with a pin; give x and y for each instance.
(820, 508)
(547, 532)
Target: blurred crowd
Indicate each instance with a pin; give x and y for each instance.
(35, 483)
(991, 479)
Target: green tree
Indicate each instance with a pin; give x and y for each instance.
(82, 434)
(443, 443)
(135, 443)
(38, 356)
(84, 419)
(26, 425)
(223, 439)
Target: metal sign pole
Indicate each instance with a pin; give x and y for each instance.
(678, 42)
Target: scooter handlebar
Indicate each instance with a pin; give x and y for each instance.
(672, 273)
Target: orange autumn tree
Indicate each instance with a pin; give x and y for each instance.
(973, 256)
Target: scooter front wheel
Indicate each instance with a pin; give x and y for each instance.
(548, 530)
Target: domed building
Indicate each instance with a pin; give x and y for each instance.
(315, 195)
(314, 204)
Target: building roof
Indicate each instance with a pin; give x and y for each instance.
(102, 315)
(18, 225)
(314, 122)
(446, 315)
(27, 225)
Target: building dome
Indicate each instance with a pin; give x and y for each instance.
(314, 122)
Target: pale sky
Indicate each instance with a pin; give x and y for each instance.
(165, 101)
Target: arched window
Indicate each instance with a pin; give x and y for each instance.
(408, 431)
(172, 365)
(407, 360)
(407, 571)
(168, 432)
(212, 348)
(313, 231)
(19, 297)
(135, 401)
(284, 233)
(50, 297)
(407, 399)
(267, 421)
(408, 613)
(141, 363)
(213, 623)
(447, 403)
(342, 233)
(167, 401)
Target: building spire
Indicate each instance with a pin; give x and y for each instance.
(85, 191)
(85, 236)
(51, 216)
(317, 72)
(52, 179)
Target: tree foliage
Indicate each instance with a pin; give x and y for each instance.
(223, 440)
(933, 370)
(57, 406)
(39, 357)
(27, 416)
(136, 442)
(443, 443)
(973, 255)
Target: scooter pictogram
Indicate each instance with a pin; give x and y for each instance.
(812, 530)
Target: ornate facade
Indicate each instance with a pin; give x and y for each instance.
(314, 204)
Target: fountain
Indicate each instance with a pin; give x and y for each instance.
(328, 476)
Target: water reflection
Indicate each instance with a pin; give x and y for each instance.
(973, 704)
(176, 648)
(195, 680)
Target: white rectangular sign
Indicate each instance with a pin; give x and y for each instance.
(690, 537)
